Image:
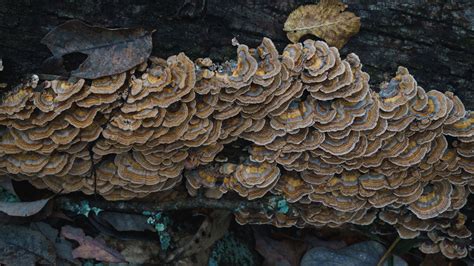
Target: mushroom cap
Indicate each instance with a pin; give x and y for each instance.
(108, 84)
(292, 187)
(304, 125)
(429, 247)
(398, 91)
(452, 250)
(259, 175)
(436, 199)
(238, 74)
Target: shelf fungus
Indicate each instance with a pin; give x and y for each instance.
(303, 127)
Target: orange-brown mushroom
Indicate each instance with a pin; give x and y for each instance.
(305, 125)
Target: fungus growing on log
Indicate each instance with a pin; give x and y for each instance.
(335, 150)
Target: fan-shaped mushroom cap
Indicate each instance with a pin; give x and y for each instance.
(108, 84)
(319, 58)
(292, 187)
(14, 101)
(337, 78)
(300, 114)
(335, 150)
(256, 175)
(452, 250)
(240, 73)
(292, 57)
(268, 62)
(65, 89)
(398, 91)
(429, 247)
(338, 201)
(130, 170)
(458, 111)
(436, 199)
(341, 146)
(412, 155)
(98, 99)
(265, 136)
(257, 94)
(346, 112)
(154, 80)
(464, 127)
(209, 177)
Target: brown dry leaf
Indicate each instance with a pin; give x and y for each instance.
(212, 229)
(90, 248)
(286, 252)
(62, 246)
(23, 209)
(6, 182)
(109, 51)
(21, 245)
(136, 252)
(126, 221)
(326, 20)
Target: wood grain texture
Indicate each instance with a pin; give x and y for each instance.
(433, 38)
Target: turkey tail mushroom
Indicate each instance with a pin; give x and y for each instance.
(316, 137)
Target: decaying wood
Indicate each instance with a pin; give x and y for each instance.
(433, 39)
(139, 207)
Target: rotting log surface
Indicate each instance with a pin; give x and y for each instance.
(433, 39)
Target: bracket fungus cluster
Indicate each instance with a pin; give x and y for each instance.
(315, 133)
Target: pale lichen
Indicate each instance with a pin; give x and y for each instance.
(81, 208)
(7, 196)
(230, 251)
(161, 224)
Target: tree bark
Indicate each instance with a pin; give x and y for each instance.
(433, 38)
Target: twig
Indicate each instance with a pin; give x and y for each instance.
(388, 252)
(182, 204)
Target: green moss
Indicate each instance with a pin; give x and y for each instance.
(282, 206)
(165, 240)
(147, 213)
(7, 196)
(92, 263)
(229, 251)
(83, 208)
(160, 227)
(161, 224)
(278, 204)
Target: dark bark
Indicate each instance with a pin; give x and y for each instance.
(433, 38)
(139, 207)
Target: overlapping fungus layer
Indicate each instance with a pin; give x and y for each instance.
(334, 149)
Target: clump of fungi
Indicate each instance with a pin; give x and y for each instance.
(315, 133)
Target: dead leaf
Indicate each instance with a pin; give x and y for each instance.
(363, 253)
(212, 229)
(6, 183)
(135, 251)
(126, 221)
(278, 252)
(435, 259)
(23, 246)
(62, 246)
(23, 209)
(316, 242)
(326, 20)
(109, 51)
(90, 248)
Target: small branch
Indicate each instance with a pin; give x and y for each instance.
(388, 252)
(189, 203)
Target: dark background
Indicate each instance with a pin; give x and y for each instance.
(434, 39)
